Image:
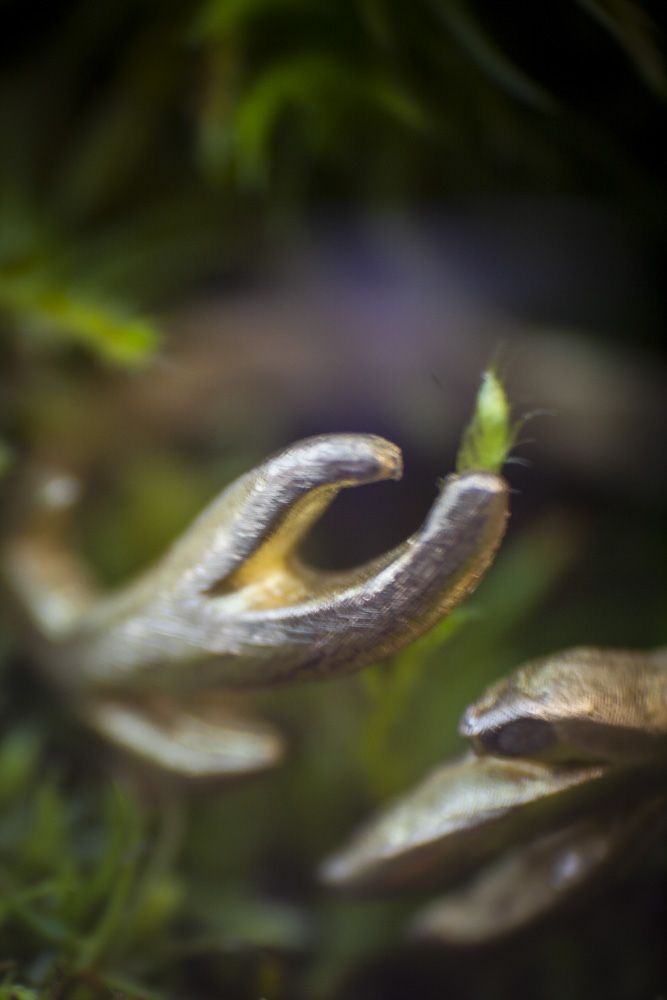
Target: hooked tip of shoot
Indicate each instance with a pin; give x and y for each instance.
(491, 433)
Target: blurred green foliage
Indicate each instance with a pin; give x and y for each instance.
(146, 144)
(5, 458)
(57, 311)
(79, 886)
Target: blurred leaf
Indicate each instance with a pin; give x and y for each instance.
(65, 314)
(19, 758)
(391, 687)
(244, 921)
(320, 92)
(122, 861)
(5, 457)
(456, 15)
(46, 840)
(628, 24)
(11, 991)
(45, 928)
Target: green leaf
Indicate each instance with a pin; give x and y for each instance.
(491, 434)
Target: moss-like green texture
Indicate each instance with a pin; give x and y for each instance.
(491, 433)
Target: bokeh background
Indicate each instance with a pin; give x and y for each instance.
(228, 224)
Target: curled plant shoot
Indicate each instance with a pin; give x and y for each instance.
(232, 604)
